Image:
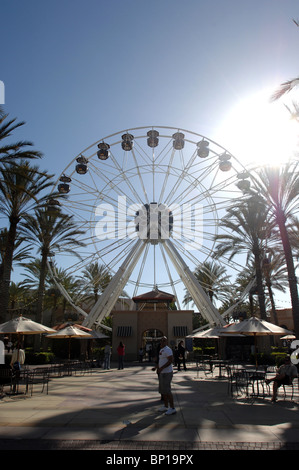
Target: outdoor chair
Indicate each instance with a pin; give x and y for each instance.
(6, 376)
(207, 367)
(291, 387)
(38, 377)
(237, 381)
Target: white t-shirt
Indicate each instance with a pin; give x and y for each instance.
(163, 358)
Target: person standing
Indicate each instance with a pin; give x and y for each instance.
(165, 373)
(107, 356)
(121, 353)
(181, 355)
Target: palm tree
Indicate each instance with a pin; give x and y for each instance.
(279, 186)
(18, 297)
(19, 188)
(246, 223)
(20, 252)
(274, 272)
(49, 230)
(96, 278)
(53, 297)
(17, 150)
(213, 279)
(284, 88)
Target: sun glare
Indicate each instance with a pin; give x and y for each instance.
(259, 132)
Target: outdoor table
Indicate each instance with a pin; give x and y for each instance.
(256, 377)
(220, 363)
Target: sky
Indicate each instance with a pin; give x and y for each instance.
(78, 70)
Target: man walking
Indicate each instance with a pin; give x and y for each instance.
(165, 373)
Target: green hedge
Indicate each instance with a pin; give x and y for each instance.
(41, 358)
(271, 359)
(208, 351)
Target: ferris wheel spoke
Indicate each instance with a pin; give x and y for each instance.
(140, 178)
(167, 173)
(137, 285)
(127, 181)
(172, 284)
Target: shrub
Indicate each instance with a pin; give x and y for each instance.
(39, 358)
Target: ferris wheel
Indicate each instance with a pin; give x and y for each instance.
(149, 201)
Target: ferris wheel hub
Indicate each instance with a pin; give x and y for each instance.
(154, 222)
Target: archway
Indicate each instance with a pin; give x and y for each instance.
(151, 339)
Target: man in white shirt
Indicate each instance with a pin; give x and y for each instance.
(165, 373)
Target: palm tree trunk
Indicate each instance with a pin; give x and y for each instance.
(291, 271)
(259, 282)
(41, 289)
(268, 283)
(7, 267)
(40, 297)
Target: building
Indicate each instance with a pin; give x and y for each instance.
(152, 315)
(284, 318)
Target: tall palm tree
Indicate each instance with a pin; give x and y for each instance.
(96, 278)
(19, 188)
(213, 279)
(274, 272)
(279, 186)
(18, 297)
(53, 297)
(20, 252)
(246, 224)
(49, 230)
(17, 150)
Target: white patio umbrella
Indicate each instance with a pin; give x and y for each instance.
(70, 331)
(256, 327)
(98, 335)
(23, 326)
(288, 337)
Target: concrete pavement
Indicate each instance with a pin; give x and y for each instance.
(119, 410)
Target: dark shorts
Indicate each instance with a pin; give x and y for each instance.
(165, 383)
(285, 381)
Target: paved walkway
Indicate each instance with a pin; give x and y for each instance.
(118, 410)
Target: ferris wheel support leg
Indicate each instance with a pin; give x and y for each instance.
(200, 298)
(106, 302)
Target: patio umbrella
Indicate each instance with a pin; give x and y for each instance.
(256, 327)
(288, 337)
(215, 332)
(70, 331)
(23, 326)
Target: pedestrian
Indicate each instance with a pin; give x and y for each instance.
(140, 354)
(164, 370)
(17, 358)
(181, 355)
(121, 353)
(285, 375)
(9, 346)
(107, 356)
(175, 356)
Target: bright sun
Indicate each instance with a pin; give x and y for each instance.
(259, 132)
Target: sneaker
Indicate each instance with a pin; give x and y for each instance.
(171, 411)
(163, 408)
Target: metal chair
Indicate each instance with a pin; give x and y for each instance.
(38, 376)
(6, 376)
